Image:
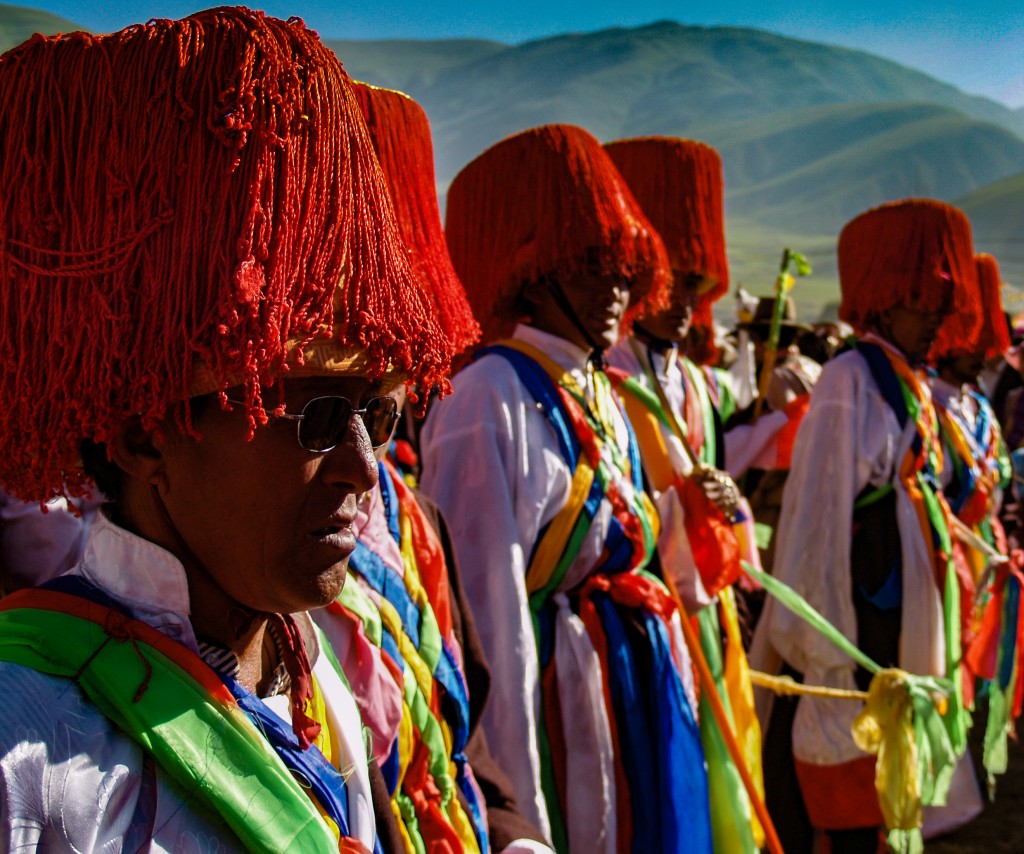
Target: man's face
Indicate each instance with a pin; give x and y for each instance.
(673, 323)
(964, 369)
(599, 300)
(270, 521)
(912, 330)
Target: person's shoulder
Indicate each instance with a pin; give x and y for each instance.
(843, 380)
(486, 370)
(848, 365)
(482, 392)
(850, 359)
(50, 709)
(53, 736)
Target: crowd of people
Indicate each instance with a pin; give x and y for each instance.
(326, 526)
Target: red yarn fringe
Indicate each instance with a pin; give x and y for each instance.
(679, 185)
(994, 334)
(181, 191)
(915, 253)
(547, 204)
(984, 329)
(400, 132)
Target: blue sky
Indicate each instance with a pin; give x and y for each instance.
(978, 46)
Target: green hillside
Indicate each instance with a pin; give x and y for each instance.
(874, 155)
(997, 216)
(755, 248)
(809, 134)
(18, 23)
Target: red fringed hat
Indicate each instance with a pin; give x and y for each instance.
(993, 333)
(915, 253)
(679, 185)
(400, 132)
(546, 204)
(982, 332)
(187, 206)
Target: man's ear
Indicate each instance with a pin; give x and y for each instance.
(136, 452)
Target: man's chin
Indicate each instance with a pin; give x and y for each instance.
(324, 589)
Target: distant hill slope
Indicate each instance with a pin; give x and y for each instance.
(822, 166)
(18, 23)
(409, 64)
(997, 217)
(810, 134)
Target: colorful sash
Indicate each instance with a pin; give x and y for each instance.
(206, 732)
(980, 466)
(980, 463)
(716, 552)
(994, 634)
(583, 430)
(910, 399)
(713, 540)
(656, 771)
(995, 656)
(428, 760)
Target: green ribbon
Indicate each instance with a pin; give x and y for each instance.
(937, 751)
(212, 751)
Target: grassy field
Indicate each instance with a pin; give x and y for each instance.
(755, 251)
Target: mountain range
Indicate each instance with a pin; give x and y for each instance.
(810, 134)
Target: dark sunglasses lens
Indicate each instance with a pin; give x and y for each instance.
(380, 418)
(324, 422)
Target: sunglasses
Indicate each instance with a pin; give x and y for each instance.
(324, 421)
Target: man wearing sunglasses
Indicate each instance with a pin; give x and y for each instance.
(208, 315)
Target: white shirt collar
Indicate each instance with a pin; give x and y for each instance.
(563, 353)
(146, 579)
(665, 362)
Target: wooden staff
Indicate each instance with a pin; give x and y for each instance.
(783, 283)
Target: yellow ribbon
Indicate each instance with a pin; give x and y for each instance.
(885, 727)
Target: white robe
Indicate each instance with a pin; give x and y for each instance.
(491, 462)
(849, 439)
(69, 780)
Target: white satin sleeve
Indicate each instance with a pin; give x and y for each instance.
(526, 846)
(847, 440)
(744, 443)
(70, 781)
(491, 464)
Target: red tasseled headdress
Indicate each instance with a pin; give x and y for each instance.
(982, 332)
(547, 203)
(914, 253)
(400, 132)
(186, 203)
(993, 333)
(679, 185)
